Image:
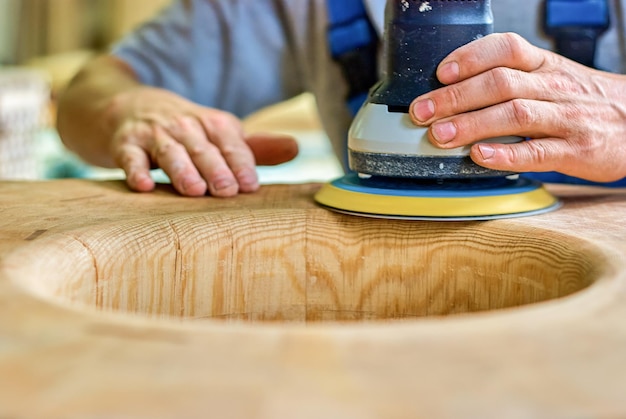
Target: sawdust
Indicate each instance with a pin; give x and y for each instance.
(425, 7)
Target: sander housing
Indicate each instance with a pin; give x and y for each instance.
(398, 173)
(418, 35)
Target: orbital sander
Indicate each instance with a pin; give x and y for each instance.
(396, 171)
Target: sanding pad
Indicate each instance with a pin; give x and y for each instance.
(449, 200)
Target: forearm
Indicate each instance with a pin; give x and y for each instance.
(87, 109)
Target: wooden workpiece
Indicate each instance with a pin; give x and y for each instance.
(122, 305)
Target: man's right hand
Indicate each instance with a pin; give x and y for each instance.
(502, 85)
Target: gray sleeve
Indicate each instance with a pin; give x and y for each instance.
(234, 55)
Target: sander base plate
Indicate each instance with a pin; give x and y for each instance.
(439, 200)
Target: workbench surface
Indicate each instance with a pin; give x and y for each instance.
(117, 304)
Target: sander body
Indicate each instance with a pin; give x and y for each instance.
(398, 173)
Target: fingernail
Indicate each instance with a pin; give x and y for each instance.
(139, 177)
(139, 181)
(193, 185)
(449, 72)
(486, 151)
(444, 132)
(223, 183)
(247, 178)
(424, 109)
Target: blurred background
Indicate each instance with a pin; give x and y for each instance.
(43, 43)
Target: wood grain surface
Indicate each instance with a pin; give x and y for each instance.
(116, 304)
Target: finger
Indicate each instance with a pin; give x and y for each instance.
(128, 152)
(136, 164)
(539, 155)
(272, 149)
(206, 157)
(518, 117)
(225, 132)
(171, 156)
(551, 154)
(486, 89)
(495, 50)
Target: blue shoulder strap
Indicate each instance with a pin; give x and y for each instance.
(576, 26)
(353, 45)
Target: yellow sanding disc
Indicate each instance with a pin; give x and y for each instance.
(467, 199)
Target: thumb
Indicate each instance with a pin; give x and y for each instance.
(272, 149)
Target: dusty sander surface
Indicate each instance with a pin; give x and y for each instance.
(425, 167)
(115, 304)
(443, 200)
